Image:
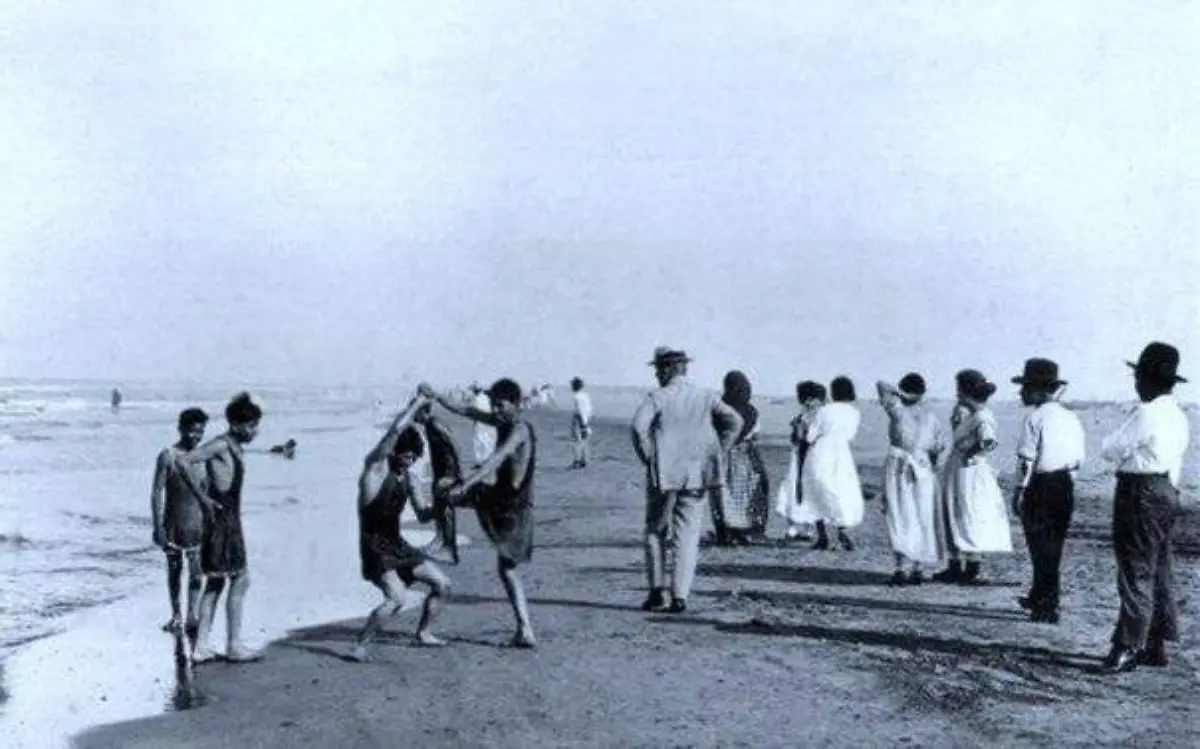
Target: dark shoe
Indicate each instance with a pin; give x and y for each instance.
(656, 601)
(1044, 616)
(1155, 655)
(822, 544)
(952, 574)
(845, 542)
(1025, 602)
(971, 575)
(1120, 660)
(899, 579)
(678, 606)
(916, 577)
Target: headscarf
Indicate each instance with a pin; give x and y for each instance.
(737, 396)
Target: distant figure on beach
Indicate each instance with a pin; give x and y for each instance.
(116, 400)
(1147, 450)
(178, 517)
(811, 396)
(505, 506)
(674, 438)
(581, 423)
(485, 433)
(389, 562)
(739, 507)
(223, 550)
(975, 510)
(287, 449)
(832, 493)
(1050, 449)
(910, 485)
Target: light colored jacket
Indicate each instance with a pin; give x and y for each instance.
(675, 434)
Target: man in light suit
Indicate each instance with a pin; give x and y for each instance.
(675, 436)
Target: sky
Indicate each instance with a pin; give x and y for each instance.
(370, 192)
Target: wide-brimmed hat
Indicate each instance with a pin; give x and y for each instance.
(1043, 372)
(664, 355)
(1159, 362)
(975, 384)
(911, 386)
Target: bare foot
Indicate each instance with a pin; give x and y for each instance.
(239, 653)
(172, 625)
(524, 641)
(358, 654)
(429, 640)
(203, 655)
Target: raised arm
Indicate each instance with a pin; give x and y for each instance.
(517, 439)
(403, 420)
(731, 423)
(466, 411)
(205, 452)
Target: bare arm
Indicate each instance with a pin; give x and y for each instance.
(467, 411)
(516, 440)
(205, 452)
(158, 488)
(403, 420)
(731, 421)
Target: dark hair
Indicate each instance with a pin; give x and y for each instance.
(505, 390)
(242, 410)
(912, 384)
(842, 390)
(576, 384)
(809, 390)
(192, 416)
(974, 385)
(409, 441)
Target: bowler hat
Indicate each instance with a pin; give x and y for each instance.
(1159, 362)
(1042, 372)
(664, 355)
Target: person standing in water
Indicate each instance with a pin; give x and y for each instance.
(389, 562)
(504, 506)
(581, 423)
(178, 516)
(910, 486)
(976, 515)
(115, 400)
(223, 549)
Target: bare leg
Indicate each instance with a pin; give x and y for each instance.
(213, 587)
(516, 598)
(236, 649)
(194, 591)
(439, 589)
(174, 578)
(394, 595)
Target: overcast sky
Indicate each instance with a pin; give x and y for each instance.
(369, 191)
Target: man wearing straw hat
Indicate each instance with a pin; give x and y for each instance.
(1050, 449)
(674, 437)
(1148, 452)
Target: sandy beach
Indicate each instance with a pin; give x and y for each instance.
(782, 646)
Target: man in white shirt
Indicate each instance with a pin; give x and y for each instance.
(581, 423)
(1050, 449)
(1148, 452)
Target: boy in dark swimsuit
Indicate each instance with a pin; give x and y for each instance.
(223, 549)
(505, 506)
(389, 561)
(179, 518)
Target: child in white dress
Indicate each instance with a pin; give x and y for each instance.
(832, 493)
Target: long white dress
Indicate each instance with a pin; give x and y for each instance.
(829, 485)
(787, 498)
(976, 513)
(910, 484)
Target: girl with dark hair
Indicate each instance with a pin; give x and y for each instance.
(811, 396)
(976, 515)
(739, 509)
(829, 479)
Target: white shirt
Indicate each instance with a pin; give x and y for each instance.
(583, 407)
(1153, 439)
(1051, 439)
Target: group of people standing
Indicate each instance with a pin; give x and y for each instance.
(941, 497)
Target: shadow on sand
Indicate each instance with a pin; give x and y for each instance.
(801, 600)
(794, 574)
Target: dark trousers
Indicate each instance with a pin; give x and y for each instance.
(1045, 517)
(1144, 511)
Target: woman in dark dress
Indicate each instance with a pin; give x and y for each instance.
(739, 509)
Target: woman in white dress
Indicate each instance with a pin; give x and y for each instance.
(910, 485)
(976, 515)
(832, 493)
(811, 396)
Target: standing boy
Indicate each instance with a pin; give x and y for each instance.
(179, 518)
(1148, 452)
(1050, 450)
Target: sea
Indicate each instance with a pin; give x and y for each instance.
(75, 479)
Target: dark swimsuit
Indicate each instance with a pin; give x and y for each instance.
(380, 544)
(506, 514)
(223, 551)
